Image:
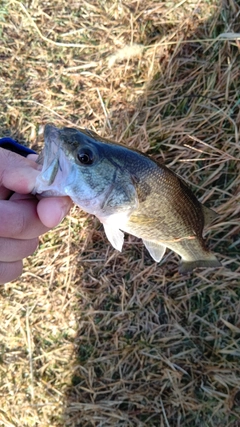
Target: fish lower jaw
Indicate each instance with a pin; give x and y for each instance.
(42, 187)
(48, 193)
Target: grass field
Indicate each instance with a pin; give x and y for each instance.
(90, 336)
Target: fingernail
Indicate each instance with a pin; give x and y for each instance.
(65, 208)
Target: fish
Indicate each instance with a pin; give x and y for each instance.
(129, 192)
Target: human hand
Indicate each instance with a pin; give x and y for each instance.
(22, 216)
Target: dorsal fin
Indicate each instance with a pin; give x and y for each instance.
(209, 215)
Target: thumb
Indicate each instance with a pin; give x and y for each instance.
(52, 210)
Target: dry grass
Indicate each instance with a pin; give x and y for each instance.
(91, 337)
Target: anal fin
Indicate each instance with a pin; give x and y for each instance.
(156, 250)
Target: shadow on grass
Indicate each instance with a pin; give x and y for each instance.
(154, 348)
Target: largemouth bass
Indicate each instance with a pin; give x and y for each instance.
(128, 192)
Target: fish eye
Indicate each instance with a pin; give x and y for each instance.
(85, 156)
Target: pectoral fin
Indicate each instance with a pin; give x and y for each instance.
(115, 236)
(156, 250)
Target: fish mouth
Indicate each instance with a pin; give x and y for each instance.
(50, 155)
(50, 132)
(49, 180)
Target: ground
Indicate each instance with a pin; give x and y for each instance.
(91, 336)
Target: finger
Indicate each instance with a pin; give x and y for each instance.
(32, 157)
(10, 271)
(52, 210)
(19, 219)
(17, 173)
(4, 193)
(17, 196)
(15, 250)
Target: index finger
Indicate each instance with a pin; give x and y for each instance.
(17, 173)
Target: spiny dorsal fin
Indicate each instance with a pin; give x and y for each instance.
(209, 215)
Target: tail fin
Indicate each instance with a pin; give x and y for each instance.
(189, 266)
